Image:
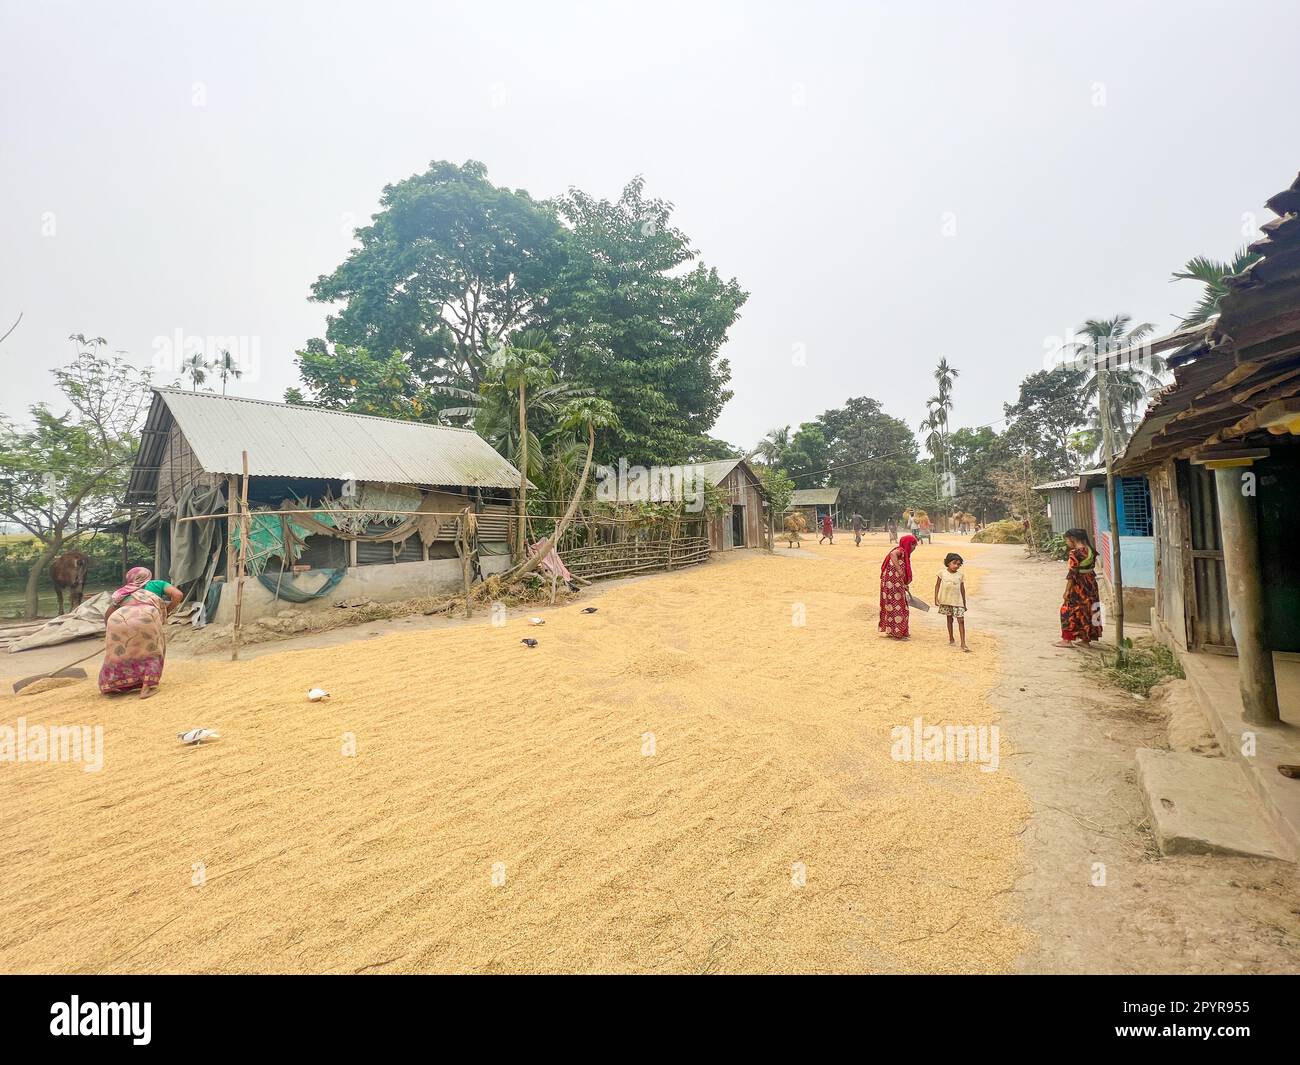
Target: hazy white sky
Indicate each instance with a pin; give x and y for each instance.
(891, 181)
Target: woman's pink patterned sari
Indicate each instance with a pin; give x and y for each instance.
(135, 644)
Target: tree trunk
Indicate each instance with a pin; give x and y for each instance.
(1112, 508)
(544, 549)
(34, 574)
(520, 540)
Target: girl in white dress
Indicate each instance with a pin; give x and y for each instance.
(950, 596)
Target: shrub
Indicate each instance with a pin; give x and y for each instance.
(1141, 666)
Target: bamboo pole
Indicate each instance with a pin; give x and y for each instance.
(231, 509)
(462, 532)
(244, 527)
(1112, 507)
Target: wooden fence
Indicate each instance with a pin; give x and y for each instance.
(636, 556)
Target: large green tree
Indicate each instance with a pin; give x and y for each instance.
(67, 470)
(975, 454)
(872, 457)
(452, 265)
(448, 267)
(636, 323)
(1044, 418)
(807, 456)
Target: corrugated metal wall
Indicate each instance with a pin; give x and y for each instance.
(1070, 510)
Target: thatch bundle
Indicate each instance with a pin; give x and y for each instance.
(1006, 531)
(795, 523)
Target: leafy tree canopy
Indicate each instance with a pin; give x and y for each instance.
(73, 465)
(807, 456)
(1043, 419)
(452, 265)
(633, 325)
(447, 267)
(873, 456)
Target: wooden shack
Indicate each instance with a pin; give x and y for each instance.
(379, 494)
(814, 504)
(745, 523)
(1221, 449)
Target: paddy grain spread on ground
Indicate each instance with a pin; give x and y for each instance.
(502, 812)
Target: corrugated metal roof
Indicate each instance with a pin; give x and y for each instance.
(284, 440)
(813, 497)
(1074, 481)
(717, 471)
(1247, 359)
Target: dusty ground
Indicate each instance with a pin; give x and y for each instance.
(1075, 739)
(479, 760)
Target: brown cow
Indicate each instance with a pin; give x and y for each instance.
(69, 571)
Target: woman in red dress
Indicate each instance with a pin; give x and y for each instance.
(1080, 609)
(895, 576)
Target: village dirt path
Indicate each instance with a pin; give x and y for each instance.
(1074, 739)
(503, 811)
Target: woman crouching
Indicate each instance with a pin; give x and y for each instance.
(135, 645)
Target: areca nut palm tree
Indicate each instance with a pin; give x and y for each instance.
(1212, 274)
(525, 362)
(584, 413)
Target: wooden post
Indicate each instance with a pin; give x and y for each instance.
(244, 529)
(771, 529)
(1112, 507)
(1240, 527)
(462, 534)
(232, 508)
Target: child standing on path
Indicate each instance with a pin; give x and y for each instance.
(950, 596)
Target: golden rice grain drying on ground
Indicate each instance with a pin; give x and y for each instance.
(638, 793)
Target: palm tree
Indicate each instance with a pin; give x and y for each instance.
(1211, 274)
(523, 363)
(945, 375)
(591, 414)
(932, 427)
(226, 367)
(772, 446)
(1116, 392)
(1125, 386)
(196, 369)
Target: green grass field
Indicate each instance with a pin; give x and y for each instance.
(12, 593)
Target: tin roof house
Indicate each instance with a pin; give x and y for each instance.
(372, 502)
(1220, 447)
(1079, 502)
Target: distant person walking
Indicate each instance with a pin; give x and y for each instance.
(891, 527)
(857, 529)
(828, 530)
(895, 577)
(1081, 608)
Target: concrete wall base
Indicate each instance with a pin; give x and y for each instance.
(383, 583)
